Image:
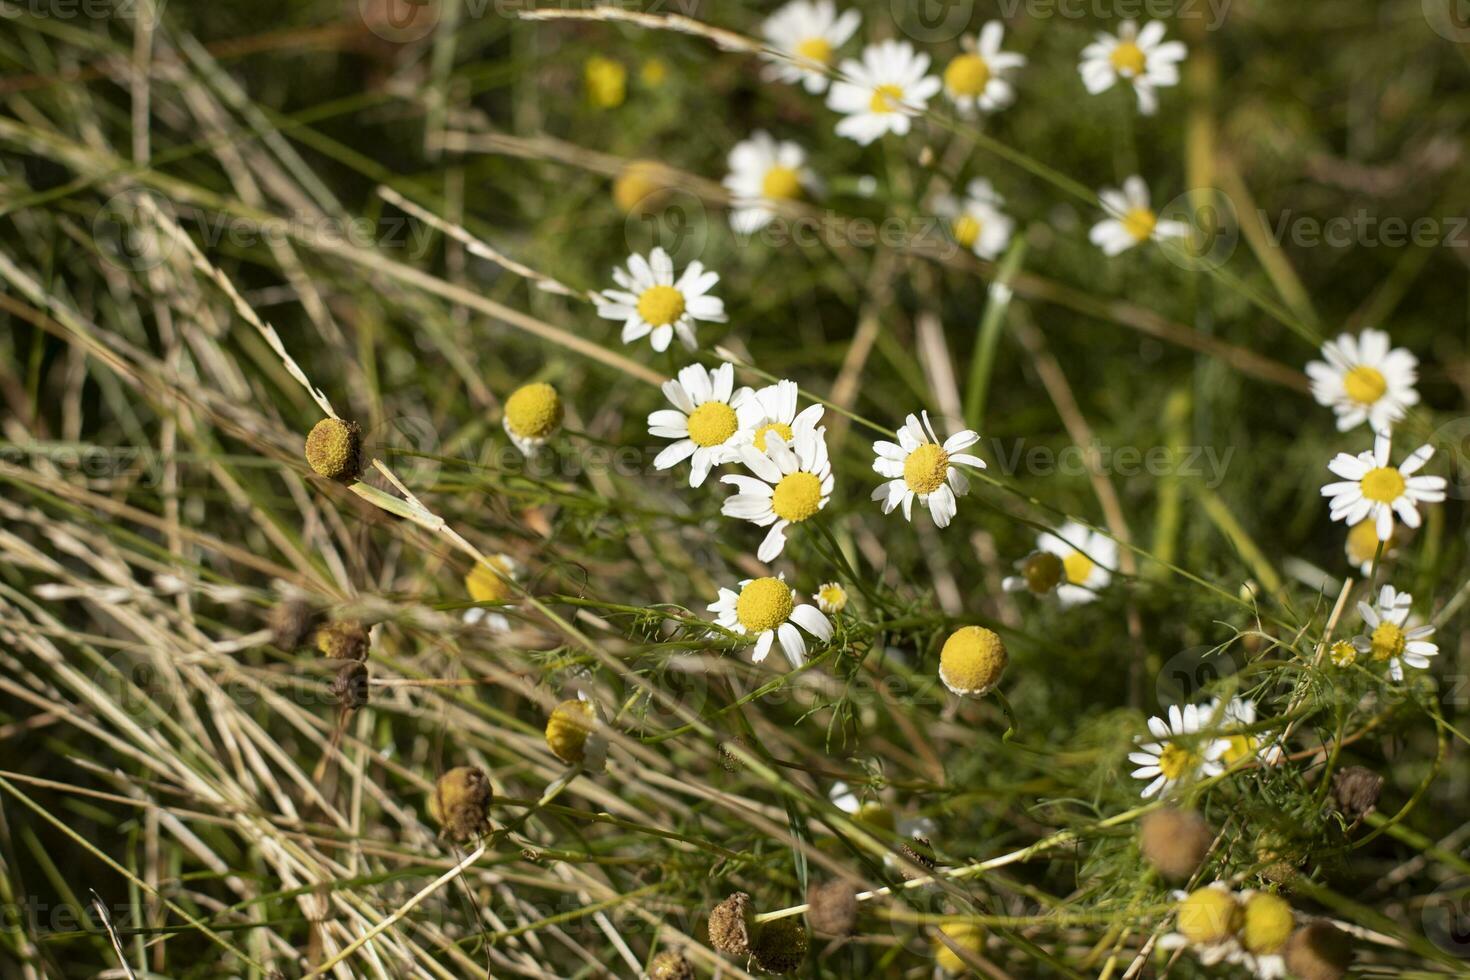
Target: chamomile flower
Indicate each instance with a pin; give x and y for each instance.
(1391, 639)
(766, 608)
(651, 303)
(979, 78)
(1229, 721)
(977, 221)
(704, 420)
(792, 482)
(1139, 57)
(1372, 489)
(876, 815)
(1131, 219)
(1180, 753)
(1087, 558)
(809, 32)
(1363, 380)
(533, 414)
(831, 598)
(1266, 926)
(1207, 922)
(883, 92)
(763, 171)
(771, 411)
(489, 581)
(1361, 546)
(920, 467)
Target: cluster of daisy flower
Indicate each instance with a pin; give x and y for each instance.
(1198, 741)
(1252, 929)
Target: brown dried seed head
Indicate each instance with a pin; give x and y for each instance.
(334, 449)
(731, 925)
(291, 621)
(832, 908)
(350, 686)
(1319, 952)
(1175, 842)
(343, 640)
(1356, 791)
(460, 803)
(780, 945)
(670, 965)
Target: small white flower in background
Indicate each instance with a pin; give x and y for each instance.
(1180, 752)
(831, 598)
(1137, 57)
(489, 581)
(1390, 639)
(704, 420)
(792, 482)
(1227, 721)
(772, 411)
(1372, 489)
(920, 467)
(763, 171)
(1362, 380)
(977, 221)
(1361, 547)
(876, 815)
(1131, 219)
(766, 608)
(980, 78)
(1087, 557)
(883, 92)
(809, 32)
(651, 303)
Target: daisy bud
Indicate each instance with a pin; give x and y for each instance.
(343, 640)
(967, 936)
(972, 661)
(1356, 791)
(640, 188)
(532, 414)
(780, 945)
(670, 965)
(731, 925)
(1175, 842)
(1318, 952)
(1042, 571)
(350, 686)
(334, 449)
(832, 908)
(1268, 923)
(570, 729)
(1209, 915)
(460, 803)
(291, 622)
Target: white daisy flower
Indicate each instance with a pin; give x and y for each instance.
(1087, 558)
(980, 78)
(883, 92)
(831, 598)
(809, 32)
(920, 466)
(766, 608)
(1131, 219)
(977, 221)
(1392, 639)
(1207, 922)
(772, 411)
(489, 581)
(763, 170)
(652, 304)
(1362, 380)
(704, 420)
(878, 816)
(1371, 488)
(793, 481)
(1268, 924)
(1136, 57)
(1229, 719)
(1180, 753)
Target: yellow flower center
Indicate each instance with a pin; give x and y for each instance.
(1364, 385)
(817, 49)
(1384, 484)
(712, 423)
(533, 411)
(967, 75)
(661, 306)
(607, 82)
(1176, 761)
(1128, 59)
(568, 728)
(764, 604)
(797, 497)
(1362, 542)
(972, 660)
(1140, 223)
(486, 581)
(1343, 653)
(1241, 747)
(925, 469)
(1078, 567)
(1268, 923)
(781, 184)
(1388, 641)
(966, 230)
(886, 98)
(781, 429)
(655, 72)
(834, 595)
(1209, 915)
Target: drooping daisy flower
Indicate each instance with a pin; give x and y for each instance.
(809, 32)
(883, 92)
(704, 420)
(576, 733)
(766, 608)
(831, 598)
(1361, 547)
(920, 466)
(1181, 752)
(763, 171)
(1362, 380)
(977, 221)
(980, 77)
(1372, 489)
(1131, 219)
(1391, 639)
(792, 482)
(533, 413)
(772, 411)
(652, 304)
(1229, 720)
(1136, 57)
(1087, 559)
(489, 581)
(1207, 922)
